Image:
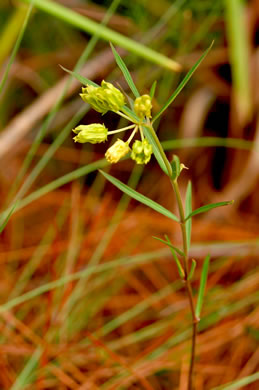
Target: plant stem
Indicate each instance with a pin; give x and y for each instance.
(187, 281)
(188, 285)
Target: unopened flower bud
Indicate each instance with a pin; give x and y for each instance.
(113, 96)
(141, 151)
(118, 150)
(94, 133)
(143, 106)
(104, 98)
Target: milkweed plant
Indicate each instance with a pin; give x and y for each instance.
(140, 145)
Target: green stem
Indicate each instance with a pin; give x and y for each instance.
(120, 130)
(188, 285)
(187, 281)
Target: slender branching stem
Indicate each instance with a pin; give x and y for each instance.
(120, 130)
(124, 116)
(188, 286)
(132, 134)
(187, 281)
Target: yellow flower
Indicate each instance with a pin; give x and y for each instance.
(143, 106)
(141, 151)
(94, 133)
(118, 150)
(104, 98)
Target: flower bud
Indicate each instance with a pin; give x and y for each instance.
(118, 150)
(113, 96)
(141, 151)
(104, 98)
(94, 133)
(143, 106)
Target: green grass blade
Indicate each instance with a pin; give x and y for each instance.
(240, 383)
(121, 64)
(95, 269)
(24, 378)
(207, 142)
(182, 84)
(85, 24)
(188, 210)
(16, 46)
(83, 80)
(168, 243)
(139, 197)
(203, 281)
(238, 49)
(10, 31)
(4, 223)
(208, 207)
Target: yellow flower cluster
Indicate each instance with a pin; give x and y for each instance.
(108, 98)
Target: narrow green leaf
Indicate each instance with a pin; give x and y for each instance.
(182, 84)
(139, 197)
(203, 281)
(121, 64)
(173, 249)
(83, 80)
(177, 261)
(188, 210)
(239, 383)
(153, 89)
(208, 207)
(156, 151)
(168, 243)
(193, 266)
(4, 223)
(178, 264)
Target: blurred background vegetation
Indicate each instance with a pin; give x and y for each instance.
(89, 300)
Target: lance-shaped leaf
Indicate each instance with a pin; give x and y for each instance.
(203, 281)
(156, 150)
(188, 210)
(121, 64)
(83, 80)
(177, 261)
(168, 243)
(139, 197)
(182, 84)
(208, 207)
(173, 249)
